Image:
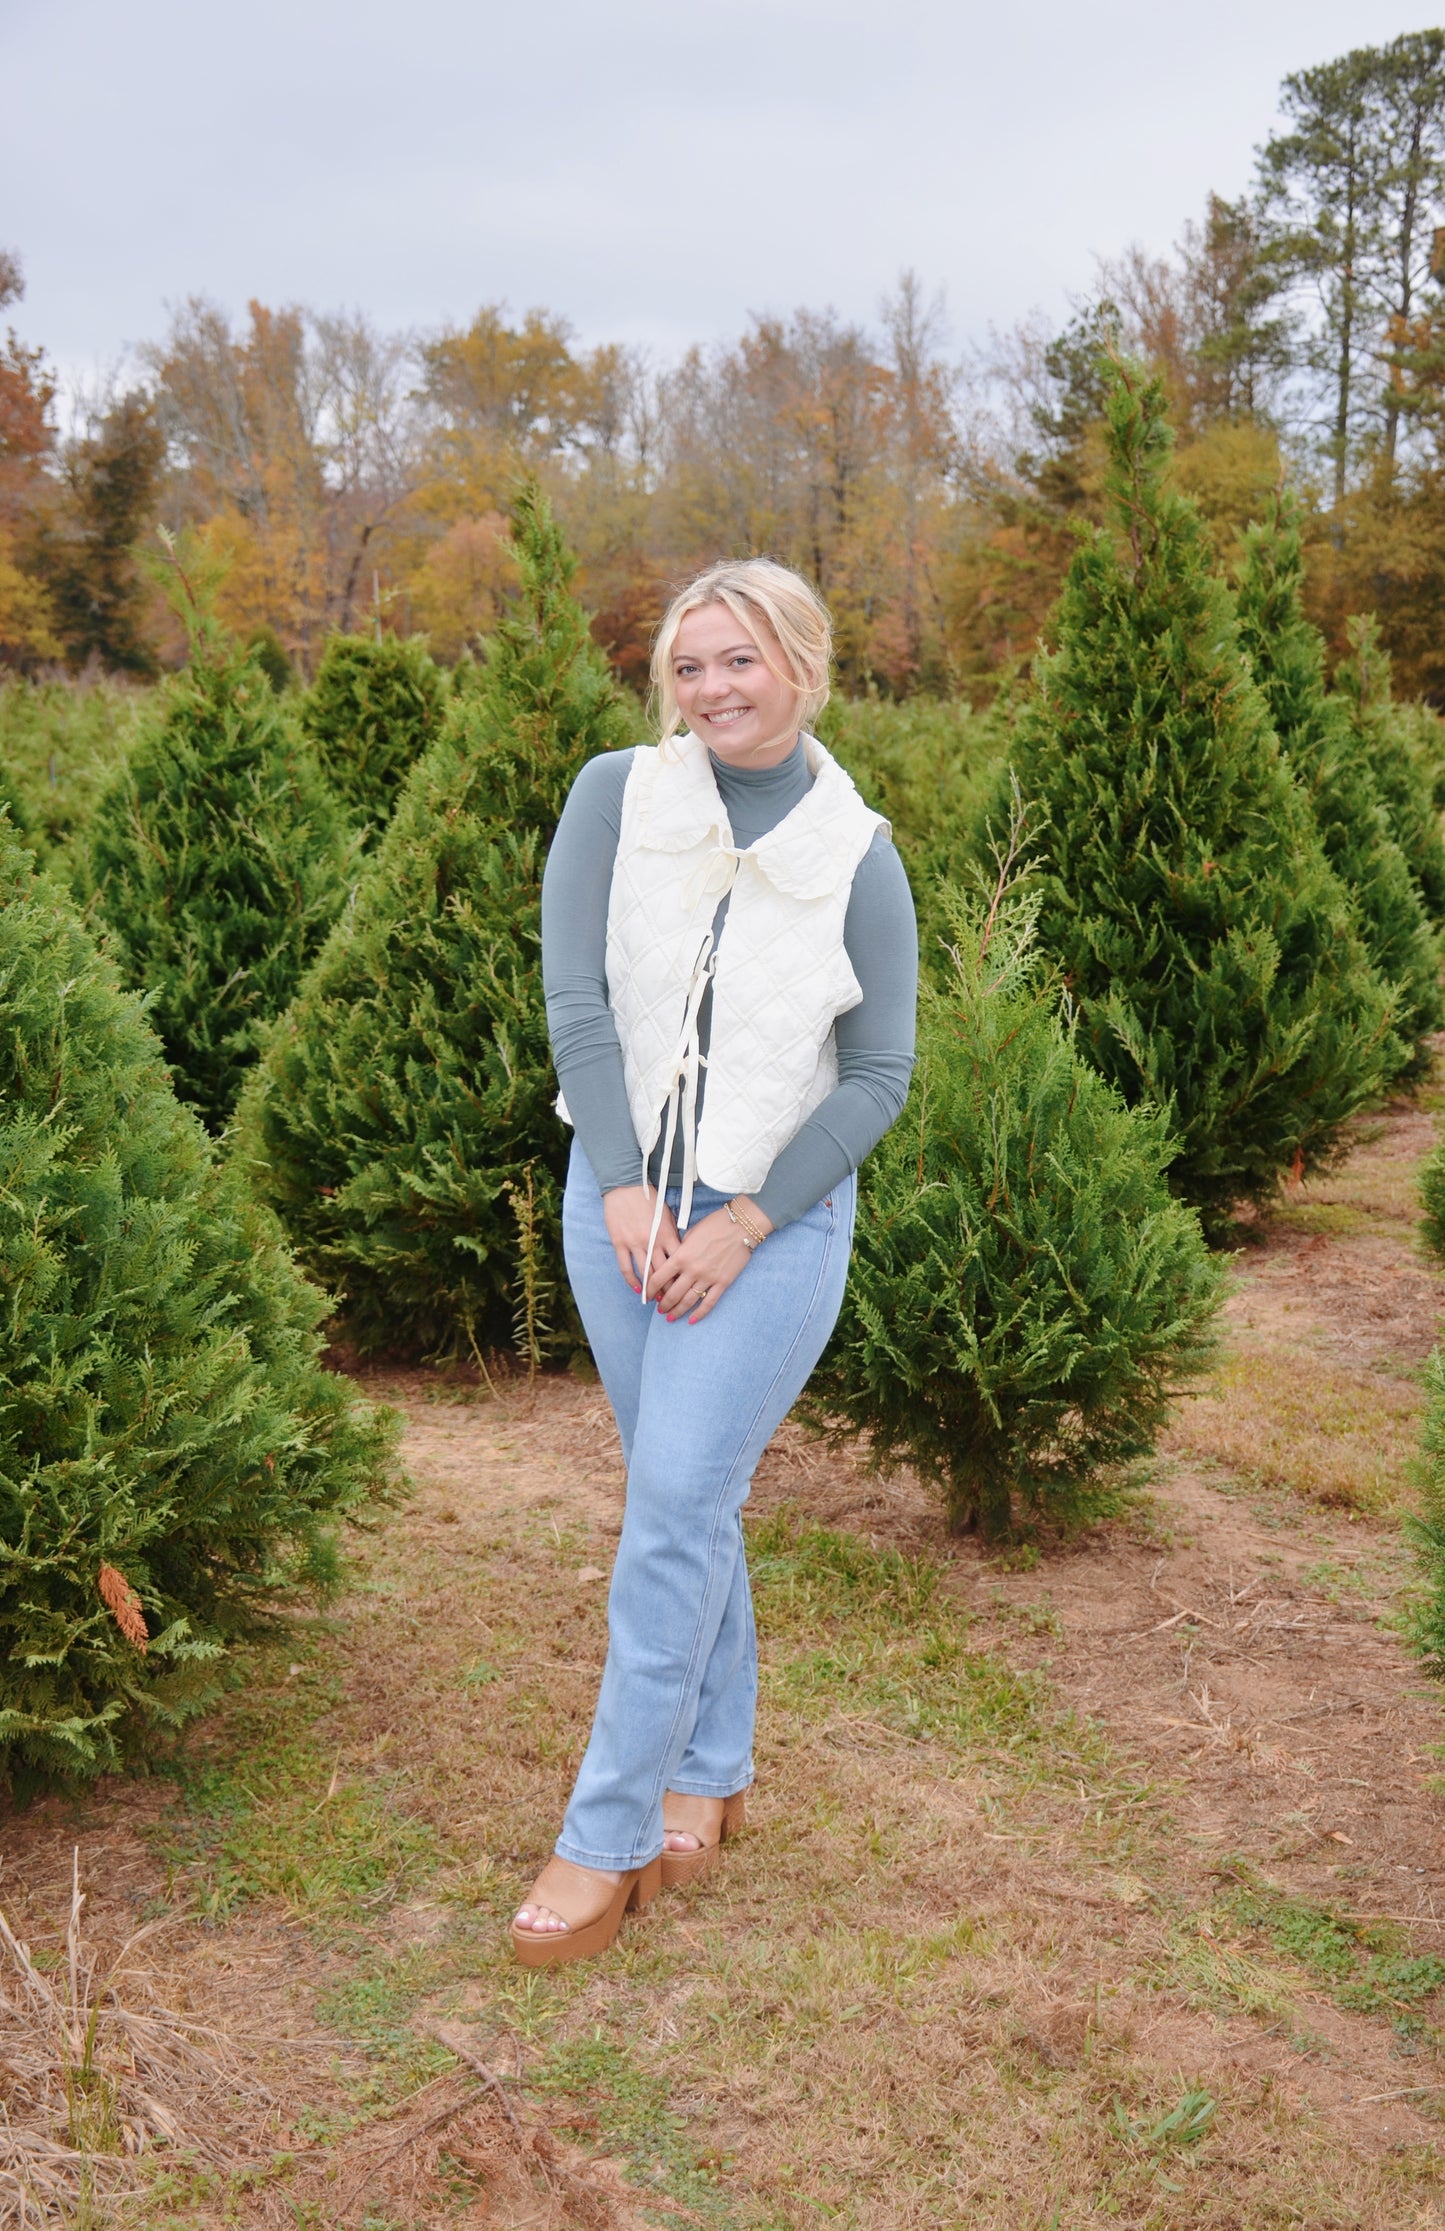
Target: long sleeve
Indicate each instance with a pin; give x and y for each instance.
(586, 1053)
(875, 1043)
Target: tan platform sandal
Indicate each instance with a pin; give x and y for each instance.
(679, 1867)
(572, 1892)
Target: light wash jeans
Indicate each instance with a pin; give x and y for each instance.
(696, 1405)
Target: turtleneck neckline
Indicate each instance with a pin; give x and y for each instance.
(783, 776)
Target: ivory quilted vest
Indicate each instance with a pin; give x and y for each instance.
(780, 974)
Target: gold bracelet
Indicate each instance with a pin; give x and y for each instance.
(753, 1237)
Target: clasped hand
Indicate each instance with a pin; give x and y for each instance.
(690, 1271)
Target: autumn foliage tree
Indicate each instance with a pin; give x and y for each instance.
(28, 630)
(84, 551)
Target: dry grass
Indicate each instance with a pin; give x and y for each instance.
(1065, 1901)
(1289, 1418)
(99, 2073)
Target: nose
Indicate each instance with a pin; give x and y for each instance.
(717, 685)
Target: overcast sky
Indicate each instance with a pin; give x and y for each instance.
(653, 170)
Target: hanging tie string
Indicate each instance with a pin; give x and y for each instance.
(714, 879)
(686, 1064)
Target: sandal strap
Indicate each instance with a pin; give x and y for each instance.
(577, 1895)
(686, 1828)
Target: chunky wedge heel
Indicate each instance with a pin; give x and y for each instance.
(572, 1893)
(679, 1867)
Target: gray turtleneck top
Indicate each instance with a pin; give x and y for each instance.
(875, 1038)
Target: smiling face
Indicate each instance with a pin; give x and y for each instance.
(729, 693)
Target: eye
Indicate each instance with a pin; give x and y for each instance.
(743, 658)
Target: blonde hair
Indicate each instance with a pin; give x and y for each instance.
(764, 598)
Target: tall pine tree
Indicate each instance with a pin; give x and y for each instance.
(1363, 681)
(1210, 949)
(402, 1121)
(1327, 756)
(170, 1449)
(220, 858)
(370, 714)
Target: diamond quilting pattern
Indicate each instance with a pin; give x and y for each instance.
(782, 972)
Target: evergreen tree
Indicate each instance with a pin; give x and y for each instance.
(267, 649)
(1186, 896)
(1026, 1293)
(170, 1449)
(220, 858)
(371, 712)
(1327, 757)
(1383, 727)
(402, 1120)
(1432, 1200)
(12, 810)
(86, 555)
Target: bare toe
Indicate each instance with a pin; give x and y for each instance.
(539, 1920)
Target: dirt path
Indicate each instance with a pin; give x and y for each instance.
(1106, 1888)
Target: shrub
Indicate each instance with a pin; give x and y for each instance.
(1328, 758)
(219, 859)
(402, 1121)
(1026, 1293)
(170, 1450)
(370, 714)
(1185, 894)
(1394, 737)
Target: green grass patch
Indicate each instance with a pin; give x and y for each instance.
(874, 1635)
(626, 2111)
(1321, 1219)
(1361, 1964)
(374, 2010)
(278, 1816)
(332, 1847)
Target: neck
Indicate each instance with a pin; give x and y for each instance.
(761, 756)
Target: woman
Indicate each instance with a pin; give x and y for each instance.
(730, 961)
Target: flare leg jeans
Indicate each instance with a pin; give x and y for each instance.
(696, 1405)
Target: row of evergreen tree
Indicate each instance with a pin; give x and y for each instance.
(1212, 941)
